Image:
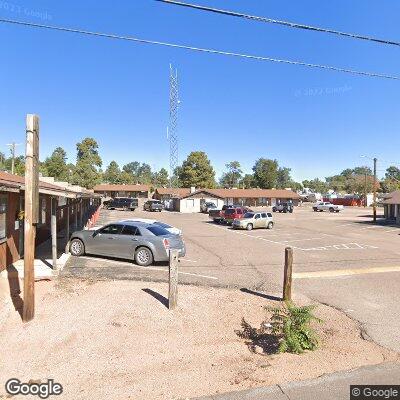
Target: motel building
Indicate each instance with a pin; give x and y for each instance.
(189, 200)
(391, 205)
(112, 191)
(72, 205)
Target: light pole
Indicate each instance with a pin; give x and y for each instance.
(375, 160)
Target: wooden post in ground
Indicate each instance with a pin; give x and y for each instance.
(31, 213)
(287, 280)
(81, 214)
(173, 279)
(76, 216)
(67, 227)
(54, 231)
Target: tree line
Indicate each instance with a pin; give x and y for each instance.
(196, 170)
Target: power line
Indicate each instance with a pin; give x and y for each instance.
(199, 49)
(281, 22)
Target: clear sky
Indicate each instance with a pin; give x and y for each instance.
(315, 122)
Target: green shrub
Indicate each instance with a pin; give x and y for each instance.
(292, 327)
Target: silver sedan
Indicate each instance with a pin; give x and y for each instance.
(142, 242)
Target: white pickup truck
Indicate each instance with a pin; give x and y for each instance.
(326, 206)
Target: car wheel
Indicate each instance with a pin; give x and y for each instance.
(77, 248)
(143, 256)
(270, 225)
(249, 227)
(315, 209)
(332, 209)
(273, 209)
(285, 211)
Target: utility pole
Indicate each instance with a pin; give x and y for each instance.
(365, 187)
(374, 206)
(173, 123)
(12, 147)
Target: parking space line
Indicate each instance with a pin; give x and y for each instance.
(345, 272)
(301, 240)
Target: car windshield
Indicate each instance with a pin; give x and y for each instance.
(248, 215)
(157, 230)
(230, 211)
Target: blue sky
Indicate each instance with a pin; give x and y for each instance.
(315, 122)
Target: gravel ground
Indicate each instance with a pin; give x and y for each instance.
(116, 340)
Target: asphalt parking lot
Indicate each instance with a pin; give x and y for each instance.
(340, 259)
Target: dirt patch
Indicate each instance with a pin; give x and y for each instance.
(118, 340)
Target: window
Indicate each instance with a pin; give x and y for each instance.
(158, 230)
(264, 215)
(258, 216)
(239, 211)
(269, 215)
(130, 230)
(111, 230)
(3, 216)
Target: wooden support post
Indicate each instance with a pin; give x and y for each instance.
(67, 227)
(81, 214)
(31, 213)
(54, 231)
(287, 281)
(75, 216)
(173, 279)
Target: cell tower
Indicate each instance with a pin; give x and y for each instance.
(173, 123)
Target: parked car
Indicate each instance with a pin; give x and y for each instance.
(153, 205)
(283, 207)
(138, 241)
(207, 206)
(169, 228)
(253, 220)
(218, 215)
(122, 203)
(326, 206)
(234, 213)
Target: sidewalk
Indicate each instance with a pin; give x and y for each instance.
(334, 386)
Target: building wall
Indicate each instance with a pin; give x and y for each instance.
(9, 247)
(392, 212)
(189, 205)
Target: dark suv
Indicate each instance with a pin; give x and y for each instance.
(283, 207)
(153, 205)
(122, 203)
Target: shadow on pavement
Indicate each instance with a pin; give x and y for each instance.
(163, 300)
(263, 295)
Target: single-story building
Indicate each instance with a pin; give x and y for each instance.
(192, 201)
(391, 205)
(74, 204)
(165, 194)
(136, 191)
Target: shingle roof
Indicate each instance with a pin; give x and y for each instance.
(18, 182)
(173, 192)
(115, 188)
(392, 198)
(250, 193)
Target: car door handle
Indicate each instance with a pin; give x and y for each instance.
(110, 238)
(134, 240)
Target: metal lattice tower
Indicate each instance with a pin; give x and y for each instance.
(173, 123)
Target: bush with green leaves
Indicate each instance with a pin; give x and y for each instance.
(292, 325)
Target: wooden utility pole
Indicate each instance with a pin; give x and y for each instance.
(374, 206)
(31, 213)
(12, 146)
(67, 226)
(365, 188)
(287, 280)
(173, 279)
(54, 231)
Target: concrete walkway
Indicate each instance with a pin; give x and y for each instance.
(334, 386)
